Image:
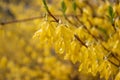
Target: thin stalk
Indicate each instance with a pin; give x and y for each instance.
(30, 19)
(76, 36)
(46, 7)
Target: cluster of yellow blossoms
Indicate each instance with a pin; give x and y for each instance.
(88, 37)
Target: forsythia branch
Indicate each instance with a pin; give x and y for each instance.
(30, 19)
(80, 41)
(21, 20)
(46, 7)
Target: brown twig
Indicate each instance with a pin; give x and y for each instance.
(76, 36)
(29, 19)
(113, 63)
(47, 9)
(21, 20)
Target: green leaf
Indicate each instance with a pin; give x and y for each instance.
(74, 6)
(102, 30)
(110, 11)
(63, 6)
